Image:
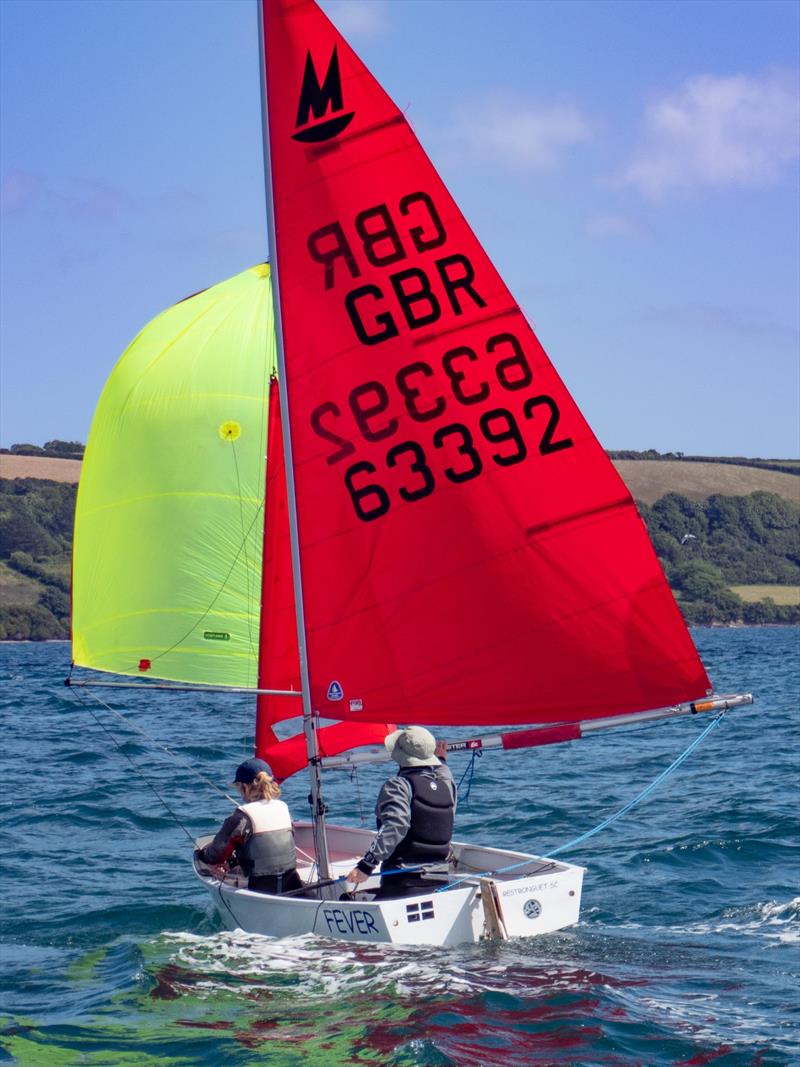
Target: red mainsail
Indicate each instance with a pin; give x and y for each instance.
(468, 552)
(279, 660)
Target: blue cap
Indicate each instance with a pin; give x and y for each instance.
(249, 770)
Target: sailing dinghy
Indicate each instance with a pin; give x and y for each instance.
(435, 537)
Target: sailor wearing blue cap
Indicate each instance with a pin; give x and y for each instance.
(259, 834)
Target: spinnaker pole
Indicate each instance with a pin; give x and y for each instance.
(310, 719)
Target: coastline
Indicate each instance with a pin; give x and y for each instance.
(738, 625)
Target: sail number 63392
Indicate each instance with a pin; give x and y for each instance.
(498, 426)
(427, 395)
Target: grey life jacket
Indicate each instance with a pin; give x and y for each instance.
(432, 815)
(270, 847)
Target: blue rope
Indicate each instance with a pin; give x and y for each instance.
(470, 770)
(612, 818)
(644, 793)
(383, 874)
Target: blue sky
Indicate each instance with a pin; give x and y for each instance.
(631, 167)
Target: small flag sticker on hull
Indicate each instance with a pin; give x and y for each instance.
(417, 912)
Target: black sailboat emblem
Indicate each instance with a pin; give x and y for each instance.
(318, 100)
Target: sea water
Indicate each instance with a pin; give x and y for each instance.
(687, 951)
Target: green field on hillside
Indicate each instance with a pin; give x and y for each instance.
(649, 480)
(17, 588)
(778, 594)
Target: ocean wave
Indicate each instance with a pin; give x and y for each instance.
(774, 921)
(319, 967)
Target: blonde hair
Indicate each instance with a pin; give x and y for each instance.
(263, 787)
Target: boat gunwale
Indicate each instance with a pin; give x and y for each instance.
(470, 882)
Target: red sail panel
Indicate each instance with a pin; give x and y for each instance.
(279, 660)
(553, 735)
(469, 553)
(287, 757)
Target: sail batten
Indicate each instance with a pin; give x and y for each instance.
(612, 505)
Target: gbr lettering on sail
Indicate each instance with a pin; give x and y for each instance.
(397, 274)
(418, 293)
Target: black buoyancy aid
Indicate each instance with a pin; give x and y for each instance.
(270, 848)
(432, 815)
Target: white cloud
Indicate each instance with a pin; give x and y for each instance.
(612, 226)
(78, 197)
(19, 188)
(524, 136)
(718, 131)
(747, 323)
(358, 18)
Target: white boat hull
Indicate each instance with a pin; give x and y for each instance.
(541, 896)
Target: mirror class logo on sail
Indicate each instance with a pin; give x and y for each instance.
(449, 393)
(314, 122)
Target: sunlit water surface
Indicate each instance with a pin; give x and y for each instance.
(687, 951)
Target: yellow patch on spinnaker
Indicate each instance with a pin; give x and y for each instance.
(230, 431)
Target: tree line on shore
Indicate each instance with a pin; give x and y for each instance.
(787, 466)
(74, 450)
(49, 450)
(705, 547)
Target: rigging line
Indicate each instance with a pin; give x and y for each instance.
(135, 769)
(227, 905)
(164, 748)
(470, 770)
(611, 818)
(644, 793)
(316, 913)
(354, 778)
(216, 597)
(245, 537)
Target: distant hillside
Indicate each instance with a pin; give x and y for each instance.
(36, 519)
(725, 530)
(53, 470)
(647, 479)
(650, 479)
(729, 558)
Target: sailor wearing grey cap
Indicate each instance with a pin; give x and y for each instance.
(415, 812)
(259, 835)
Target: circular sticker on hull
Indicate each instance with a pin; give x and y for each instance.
(532, 909)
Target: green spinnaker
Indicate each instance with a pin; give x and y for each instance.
(170, 513)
